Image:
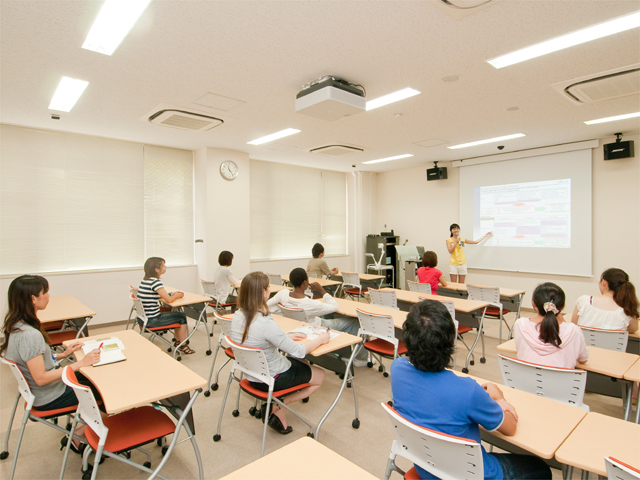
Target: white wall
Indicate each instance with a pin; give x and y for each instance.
(422, 211)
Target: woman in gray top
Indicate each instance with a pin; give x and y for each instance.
(25, 343)
(253, 326)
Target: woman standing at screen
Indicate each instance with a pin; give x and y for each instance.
(455, 247)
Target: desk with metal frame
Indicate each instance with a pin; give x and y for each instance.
(509, 297)
(63, 308)
(192, 305)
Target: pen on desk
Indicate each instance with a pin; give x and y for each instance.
(100, 347)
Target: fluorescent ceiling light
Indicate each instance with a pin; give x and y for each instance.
(489, 140)
(114, 21)
(613, 119)
(569, 40)
(67, 94)
(391, 98)
(389, 158)
(274, 136)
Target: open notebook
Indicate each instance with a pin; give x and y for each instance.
(312, 331)
(111, 351)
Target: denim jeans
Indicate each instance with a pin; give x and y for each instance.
(523, 467)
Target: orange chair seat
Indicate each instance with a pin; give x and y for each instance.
(495, 311)
(412, 474)
(463, 329)
(52, 326)
(355, 291)
(251, 390)
(59, 337)
(51, 413)
(384, 348)
(164, 327)
(165, 309)
(223, 305)
(229, 353)
(132, 428)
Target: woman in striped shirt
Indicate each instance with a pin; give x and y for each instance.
(150, 292)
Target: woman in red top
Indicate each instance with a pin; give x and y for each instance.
(428, 273)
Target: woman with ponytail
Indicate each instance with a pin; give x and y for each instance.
(547, 339)
(615, 309)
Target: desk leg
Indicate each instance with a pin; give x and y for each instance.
(181, 414)
(348, 376)
(202, 315)
(520, 298)
(482, 359)
(637, 408)
(568, 472)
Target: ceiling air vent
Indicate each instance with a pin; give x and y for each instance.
(184, 120)
(620, 82)
(336, 150)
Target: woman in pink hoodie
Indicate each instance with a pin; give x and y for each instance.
(547, 339)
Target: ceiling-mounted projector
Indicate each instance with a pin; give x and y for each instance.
(331, 98)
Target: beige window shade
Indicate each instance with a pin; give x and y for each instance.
(294, 207)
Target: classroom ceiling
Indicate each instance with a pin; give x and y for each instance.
(260, 53)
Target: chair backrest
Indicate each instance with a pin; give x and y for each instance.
(23, 385)
(609, 339)
(312, 275)
(484, 294)
(452, 311)
(87, 406)
(565, 385)
(352, 279)
(617, 470)
(444, 456)
(419, 287)
(225, 324)
(251, 361)
(380, 326)
(209, 288)
(293, 312)
(385, 298)
(274, 279)
(133, 290)
(140, 313)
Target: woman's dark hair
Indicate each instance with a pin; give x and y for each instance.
(624, 293)
(251, 298)
(453, 225)
(225, 258)
(546, 298)
(429, 259)
(151, 265)
(20, 305)
(429, 334)
(298, 276)
(317, 250)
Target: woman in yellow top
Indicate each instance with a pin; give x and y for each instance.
(455, 246)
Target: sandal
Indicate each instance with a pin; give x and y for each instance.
(186, 350)
(79, 450)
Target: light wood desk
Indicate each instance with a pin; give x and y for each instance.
(195, 306)
(348, 308)
(321, 358)
(606, 362)
(64, 307)
(538, 433)
(633, 375)
(509, 297)
(147, 375)
(303, 459)
(272, 286)
(598, 436)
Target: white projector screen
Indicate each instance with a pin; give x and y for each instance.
(538, 209)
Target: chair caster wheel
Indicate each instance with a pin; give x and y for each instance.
(348, 384)
(305, 400)
(216, 438)
(310, 434)
(208, 352)
(385, 374)
(235, 413)
(207, 393)
(164, 450)
(214, 387)
(211, 334)
(465, 370)
(355, 423)
(369, 364)
(252, 411)
(147, 464)
(4, 455)
(169, 349)
(472, 362)
(258, 414)
(381, 368)
(87, 474)
(67, 427)
(179, 359)
(390, 403)
(483, 360)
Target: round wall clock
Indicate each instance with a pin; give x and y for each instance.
(229, 170)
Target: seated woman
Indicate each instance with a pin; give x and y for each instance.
(429, 395)
(615, 309)
(25, 343)
(224, 278)
(428, 273)
(547, 339)
(253, 326)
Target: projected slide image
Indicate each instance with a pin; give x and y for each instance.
(534, 214)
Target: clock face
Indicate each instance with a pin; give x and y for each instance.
(229, 170)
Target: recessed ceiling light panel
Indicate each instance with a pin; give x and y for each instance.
(274, 136)
(613, 119)
(67, 94)
(387, 159)
(489, 140)
(391, 98)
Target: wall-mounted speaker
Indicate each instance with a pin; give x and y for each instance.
(437, 173)
(618, 150)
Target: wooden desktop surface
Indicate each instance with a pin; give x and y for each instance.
(322, 281)
(147, 375)
(599, 436)
(63, 307)
(539, 434)
(461, 304)
(348, 308)
(274, 288)
(342, 340)
(505, 292)
(606, 362)
(303, 459)
(633, 374)
(367, 277)
(188, 299)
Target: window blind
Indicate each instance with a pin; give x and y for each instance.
(294, 207)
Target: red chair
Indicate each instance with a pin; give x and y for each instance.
(46, 417)
(351, 285)
(225, 331)
(490, 295)
(211, 290)
(385, 344)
